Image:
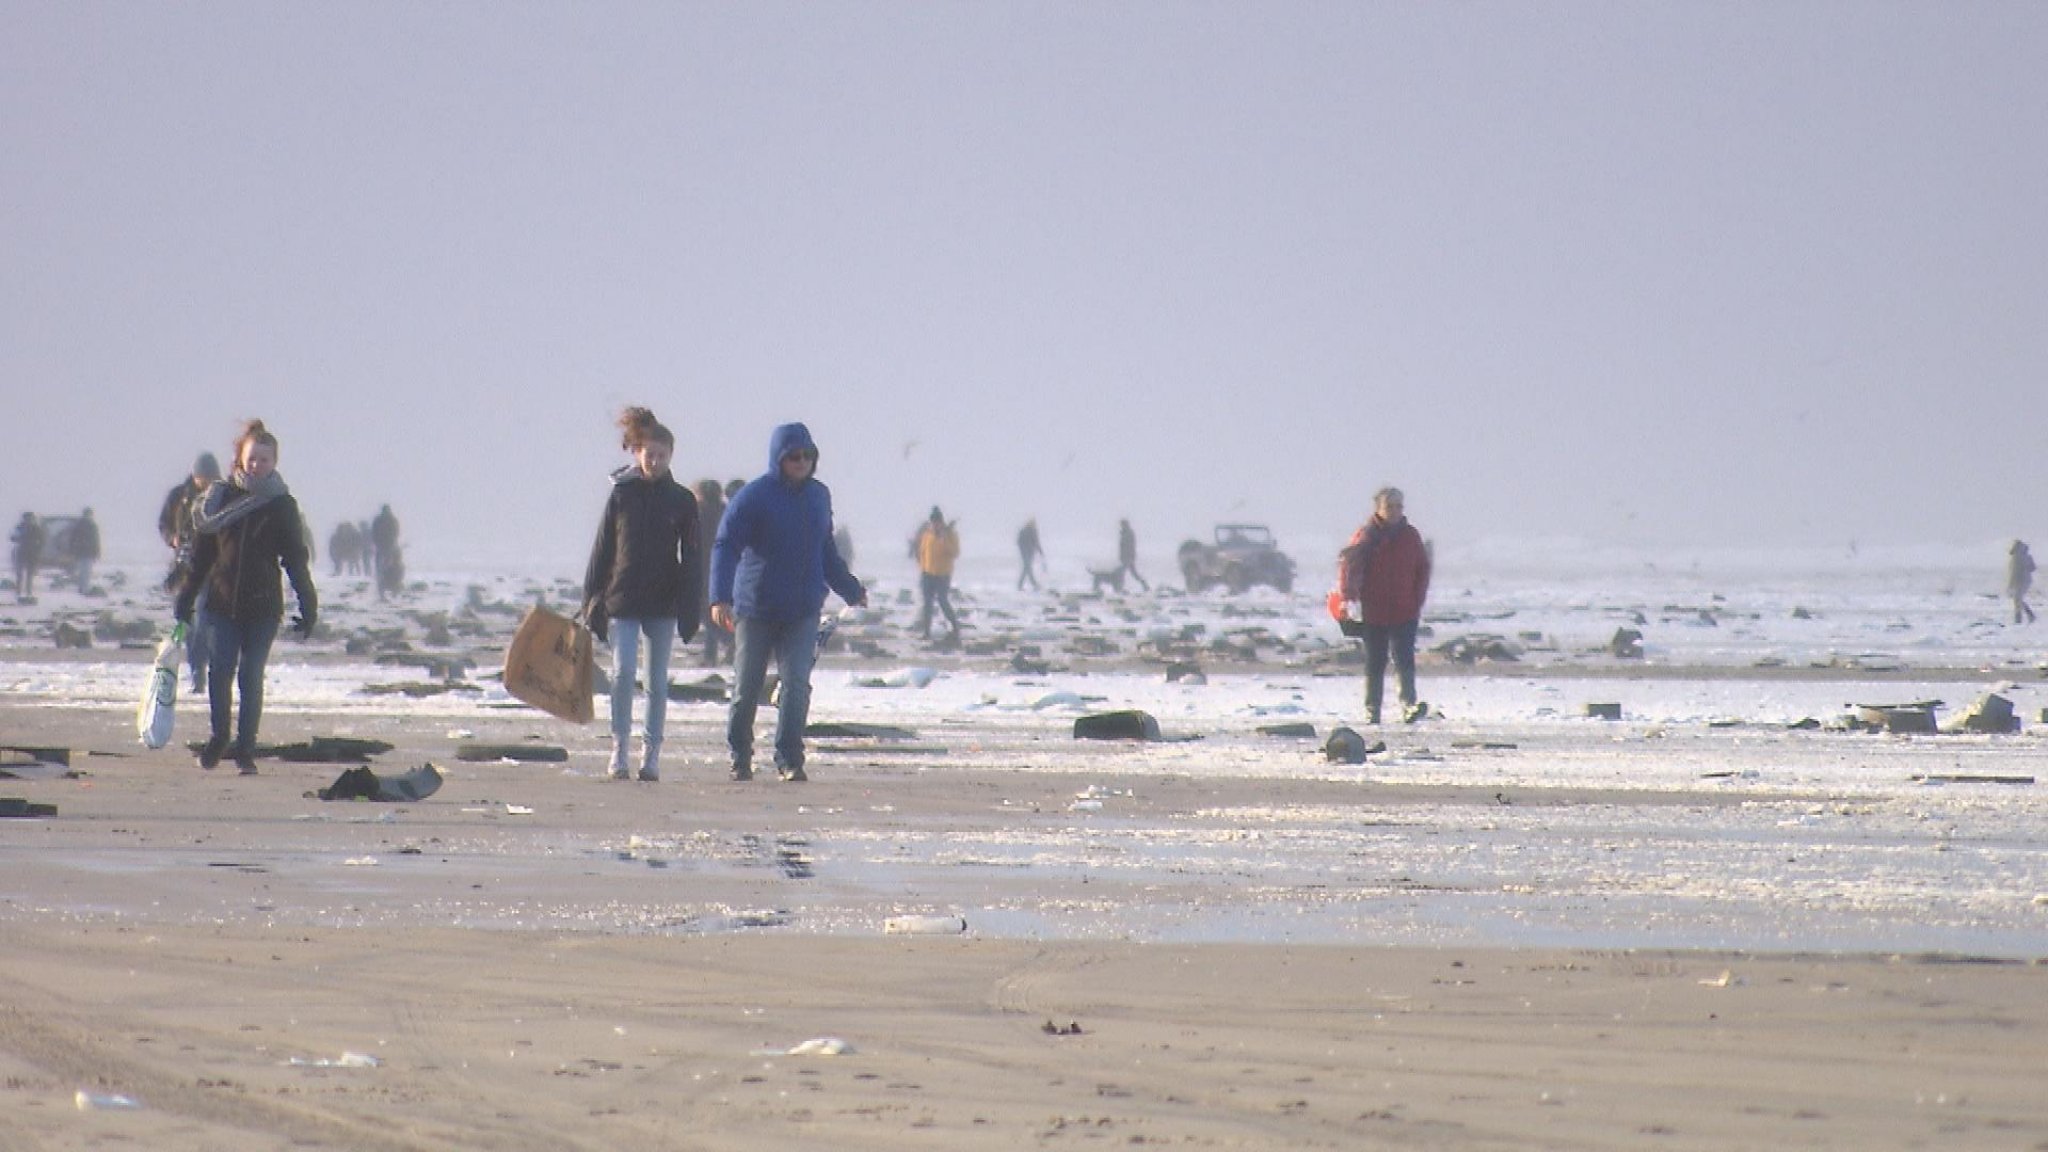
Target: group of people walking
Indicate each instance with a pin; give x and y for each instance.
(773, 557)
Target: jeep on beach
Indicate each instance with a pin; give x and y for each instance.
(1243, 555)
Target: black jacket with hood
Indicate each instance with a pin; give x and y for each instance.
(644, 562)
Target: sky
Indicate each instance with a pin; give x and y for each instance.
(1742, 273)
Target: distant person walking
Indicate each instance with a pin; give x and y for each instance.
(389, 565)
(28, 538)
(643, 582)
(245, 531)
(771, 565)
(84, 549)
(710, 509)
(2019, 578)
(1127, 553)
(1029, 554)
(345, 547)
(174, 524)
(174, 520)
(938, 548)
(1385, 568)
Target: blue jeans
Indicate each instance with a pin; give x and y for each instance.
(625, 639)
(794, 644)
(195, 642)
(237, 652)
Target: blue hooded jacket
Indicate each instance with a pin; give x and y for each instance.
(774, 557)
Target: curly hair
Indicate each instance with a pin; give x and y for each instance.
(640, 427)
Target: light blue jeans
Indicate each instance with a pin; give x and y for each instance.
(625, 639)
(794, 644)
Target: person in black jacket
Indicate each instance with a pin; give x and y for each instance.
(643, 581)
(244, 531)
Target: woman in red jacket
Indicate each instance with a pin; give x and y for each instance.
(1386, 569)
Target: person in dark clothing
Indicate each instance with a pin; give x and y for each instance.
(1127, 553)
(174, 520)
(389, 566)
(2019, 578)
(28, 541)
(643, 582)
(245, 530)
(174, 524)
(1029, 553)
(771, 565)
(710, 507)
(344, 548)
(1385, 569)
(84, 550)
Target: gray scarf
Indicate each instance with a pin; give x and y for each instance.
(219, 510)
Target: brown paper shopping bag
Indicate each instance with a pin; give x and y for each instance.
(551, 665)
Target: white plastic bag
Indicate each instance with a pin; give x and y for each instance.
(159, 708)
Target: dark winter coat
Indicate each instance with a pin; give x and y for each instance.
(174, 523)
(644, 562)
(239, 565)
(1386, 569)
(775, 555)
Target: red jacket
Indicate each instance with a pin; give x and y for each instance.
(1391, 578)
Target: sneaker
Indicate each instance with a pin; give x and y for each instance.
(1372, 716)
(792, 775)
(618, 770)
(742, 772)
(1416, 711)
(649, 776)
(245, 764)
(209, 756)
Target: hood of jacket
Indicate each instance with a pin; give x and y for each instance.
(785, 439)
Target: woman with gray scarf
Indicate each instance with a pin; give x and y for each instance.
(245, 531)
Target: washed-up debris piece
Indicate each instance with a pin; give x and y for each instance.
(1300, 730)
(361, 783)
(1603, 711)
(1991, 713)
(1129, 724)
(1971, 778)
(347, 1060)
(924, 925)
(476, 751)
(1916, 717)
(1346, 746)
(16, 807)
(323, 750)
(839, 731)
(1070, 1028)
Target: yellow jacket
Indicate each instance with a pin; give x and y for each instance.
(937, 547)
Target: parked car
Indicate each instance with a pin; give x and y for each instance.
(1244, 555)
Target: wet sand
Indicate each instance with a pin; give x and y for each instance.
(535, 959)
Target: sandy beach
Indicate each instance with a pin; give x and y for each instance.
(535, 959)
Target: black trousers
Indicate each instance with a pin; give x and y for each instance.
(1382, 640)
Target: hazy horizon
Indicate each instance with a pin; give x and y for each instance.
(1715, 274)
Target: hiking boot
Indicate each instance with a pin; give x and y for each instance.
(617, 769)
(650, 765)
(793, 775)
(742, 773)
(245, 764)
(1372, 716)
(209, 756)
(1414, 712)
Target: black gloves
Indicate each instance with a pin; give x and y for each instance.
(597, 619)
(304, 621)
